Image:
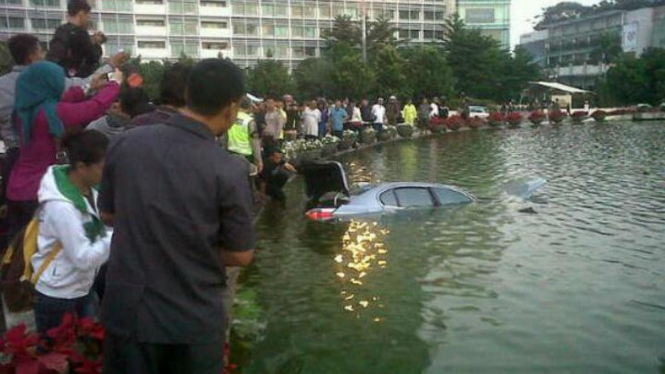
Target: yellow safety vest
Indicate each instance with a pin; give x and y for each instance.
(240, 139)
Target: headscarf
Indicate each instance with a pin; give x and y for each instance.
(39, 87)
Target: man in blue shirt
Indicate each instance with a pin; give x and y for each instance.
(338, 116)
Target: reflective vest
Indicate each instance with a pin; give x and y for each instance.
(240, 139)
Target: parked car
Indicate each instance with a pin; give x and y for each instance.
(478, 112)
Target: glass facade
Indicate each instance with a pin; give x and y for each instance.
(492, 17)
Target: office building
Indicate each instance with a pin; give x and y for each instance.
(536, 44)
(245, 31)
(492, 17)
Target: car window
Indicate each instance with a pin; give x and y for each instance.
(388, 198)
(447, 196)
(413, 197)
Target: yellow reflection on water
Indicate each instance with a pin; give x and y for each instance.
(363, 254)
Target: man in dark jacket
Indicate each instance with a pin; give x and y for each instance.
(366, 112)
(72, 47)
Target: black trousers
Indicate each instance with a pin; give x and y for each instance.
(127, 356)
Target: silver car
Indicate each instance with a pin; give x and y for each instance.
(331, 198)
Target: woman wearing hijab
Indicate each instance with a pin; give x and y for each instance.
(42, 114)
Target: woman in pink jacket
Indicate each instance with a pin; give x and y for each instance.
(43, 114)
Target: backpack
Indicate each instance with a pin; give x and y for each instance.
(17, 276)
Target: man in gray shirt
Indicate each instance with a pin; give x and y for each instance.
(180, 206)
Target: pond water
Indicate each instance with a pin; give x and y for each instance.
(578, 287)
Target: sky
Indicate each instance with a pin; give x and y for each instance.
(522, 14)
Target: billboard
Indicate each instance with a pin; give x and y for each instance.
(629, 37)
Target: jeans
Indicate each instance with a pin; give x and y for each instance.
(49, 311)
(378, 127)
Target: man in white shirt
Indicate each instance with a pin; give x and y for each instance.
(434, 112)
(311, 117)
(379, 112)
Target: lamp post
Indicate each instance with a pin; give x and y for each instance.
(363, 14)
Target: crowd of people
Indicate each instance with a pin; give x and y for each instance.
(139, 209)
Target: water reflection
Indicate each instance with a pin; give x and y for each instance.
(363, 253)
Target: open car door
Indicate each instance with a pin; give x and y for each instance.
(325, 183)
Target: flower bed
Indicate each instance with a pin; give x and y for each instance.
(329, 145)
(556, 116)
(536, 117)
(514, 119)
(437, 125)
(368, 136)
(349, 138)
(454, 123)
(496, 119)
(404, 130)
(579, 116)
(599, 115)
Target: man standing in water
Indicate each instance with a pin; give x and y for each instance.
(181, 209)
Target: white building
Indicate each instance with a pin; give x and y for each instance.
(245, 31)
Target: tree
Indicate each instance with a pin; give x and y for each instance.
(381, 33)
(351, 76)
(269, 78)
(6, 61)
(427, 72)
(607, 49)
(560, 12)
(389, 71)
(344, 30)
(313, 78)
(518, 70)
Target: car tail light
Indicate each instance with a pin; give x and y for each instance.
(320, 214)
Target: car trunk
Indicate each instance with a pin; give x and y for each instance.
(325, 183)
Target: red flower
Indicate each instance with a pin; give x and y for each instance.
(579, 114)
(87, 327)
(599, 115)
(63, 336)
(514, 118)
(454, 122)
(556, 115)
(496, 117)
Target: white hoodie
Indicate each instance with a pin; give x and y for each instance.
(73, 271)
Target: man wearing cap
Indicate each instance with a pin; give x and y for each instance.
(243, 138)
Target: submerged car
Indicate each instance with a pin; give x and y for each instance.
(331, 198)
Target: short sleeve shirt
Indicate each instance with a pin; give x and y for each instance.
(177, 200)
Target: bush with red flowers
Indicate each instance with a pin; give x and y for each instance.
(496, 119)
(556, 116)
(437, 125)
(537, 117)
(73, 347)
(599, 115)
(514, 119)
(579, 116)
(454, 123)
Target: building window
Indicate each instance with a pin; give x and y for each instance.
(309, 11)
(245, 50)
(383, 13)
(149, 2)
(324, 11)
(268, 30)
(246, 9)
(183, 6)
(213, 4)
(304, 52)
(180, 27)
(296, 11)
(434, 16)
(179, 48)
(351, 12)
(409, 34)
(45, 23)
(479, 15)
(215, 46)
(118, 25)
(282, 51)
(245, 29)
(11, 2)
(111, 48)
(118, 5)
(13, 23)
(213, 25)
(281, 31)
(409, 14)
(150, 22)
(151, 44)
(46, 3)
